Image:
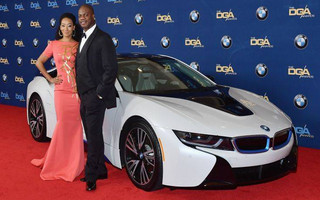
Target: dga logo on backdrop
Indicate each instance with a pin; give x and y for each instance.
(35, 42)
(4, 8)
(225, 15)
(195, 66)
(301, 41)
(114, 20)
(194, 16)
(138, 19)
(53, 22)
(5, 95)
(18, 79)
(138, 43)
(20, 97)
(227, 70)
(303, 131)
(263, 43)
(32, 61)
(115, 1)
(53, 4)
(4, 78)
(265, 97)
(302, 12)
(301, 72)
(4, 61)
(226, 41)
(18, 43)
(115, 42)
(19, 61)
(71, 3)
(18, 7)
(193, 42)
(300, 101)
(35, 5)
(262, 13)
(4, 42)
(19, 24)
(164, 18)
(92, 2)
(261, 70)
(165, 42)
(52, 63)
(4, 25)
(35, 24)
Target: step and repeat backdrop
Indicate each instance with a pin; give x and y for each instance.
(269, 47)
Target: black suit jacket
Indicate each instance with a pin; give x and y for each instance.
(96, 67)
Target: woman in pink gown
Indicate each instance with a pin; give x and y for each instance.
(64, 158)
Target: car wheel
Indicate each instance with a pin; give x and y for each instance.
(142, 156)
(37, 119)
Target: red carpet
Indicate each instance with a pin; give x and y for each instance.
(20, 180)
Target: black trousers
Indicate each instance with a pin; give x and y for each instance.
(92, 111)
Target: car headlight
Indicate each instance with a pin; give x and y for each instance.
(202, 140)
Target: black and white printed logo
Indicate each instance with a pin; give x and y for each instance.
(300, 101)
(52, 62)
(19, 61)
(195, 66)
(261, 70)
(53, 22)
(138, 19)
(4, 78)
(165, 42)
(115, 42)
(19, 24)
(262, 13)
(35, 42)
(226, 41)
(301, 41)
(4, 42)
(194, 16)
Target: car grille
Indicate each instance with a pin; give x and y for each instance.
(262, 143)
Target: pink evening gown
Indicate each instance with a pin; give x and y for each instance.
(64, 158)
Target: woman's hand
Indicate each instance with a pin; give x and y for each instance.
(56, 80)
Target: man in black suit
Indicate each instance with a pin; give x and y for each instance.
(96, 71)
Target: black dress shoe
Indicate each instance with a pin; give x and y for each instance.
(91, 185)
(103, 176)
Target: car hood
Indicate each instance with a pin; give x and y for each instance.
(222, 111)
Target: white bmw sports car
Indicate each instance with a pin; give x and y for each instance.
(175, 127)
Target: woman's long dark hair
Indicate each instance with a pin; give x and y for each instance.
(78, 30)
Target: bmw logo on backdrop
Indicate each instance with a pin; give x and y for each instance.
(19, 61)
(195, 66)
(261, 70)
(165, 42)
(4, 42)
(301, 41)
(226, 41)
(52, 62)
(53, 22)
(4, 77)
(35, 42)
(19, 24)
(262, 13)
(194, 16)
(138, 19)
(115, 42)
(300, 101)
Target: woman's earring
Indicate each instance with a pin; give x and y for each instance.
(73, 33)
(60, 33)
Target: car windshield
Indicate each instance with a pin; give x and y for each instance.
(159, 74)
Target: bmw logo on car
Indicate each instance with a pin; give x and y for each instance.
(165, 42)
(226, 41)
(262, 13)
(261, 70)
(301, 41)
(264, 127)
(19, 61)
(4, 77)
(115, 42)
(53, 22)
(35, 42)
(300, 101)
(19, 24)
(194, 16)
(4, 42)
(138, 19)
(195, 65)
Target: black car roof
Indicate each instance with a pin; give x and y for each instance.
(139, 55)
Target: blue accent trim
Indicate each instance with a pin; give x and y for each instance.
(255, 151)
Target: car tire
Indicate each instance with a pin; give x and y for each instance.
(37, 119)
(141, 155)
